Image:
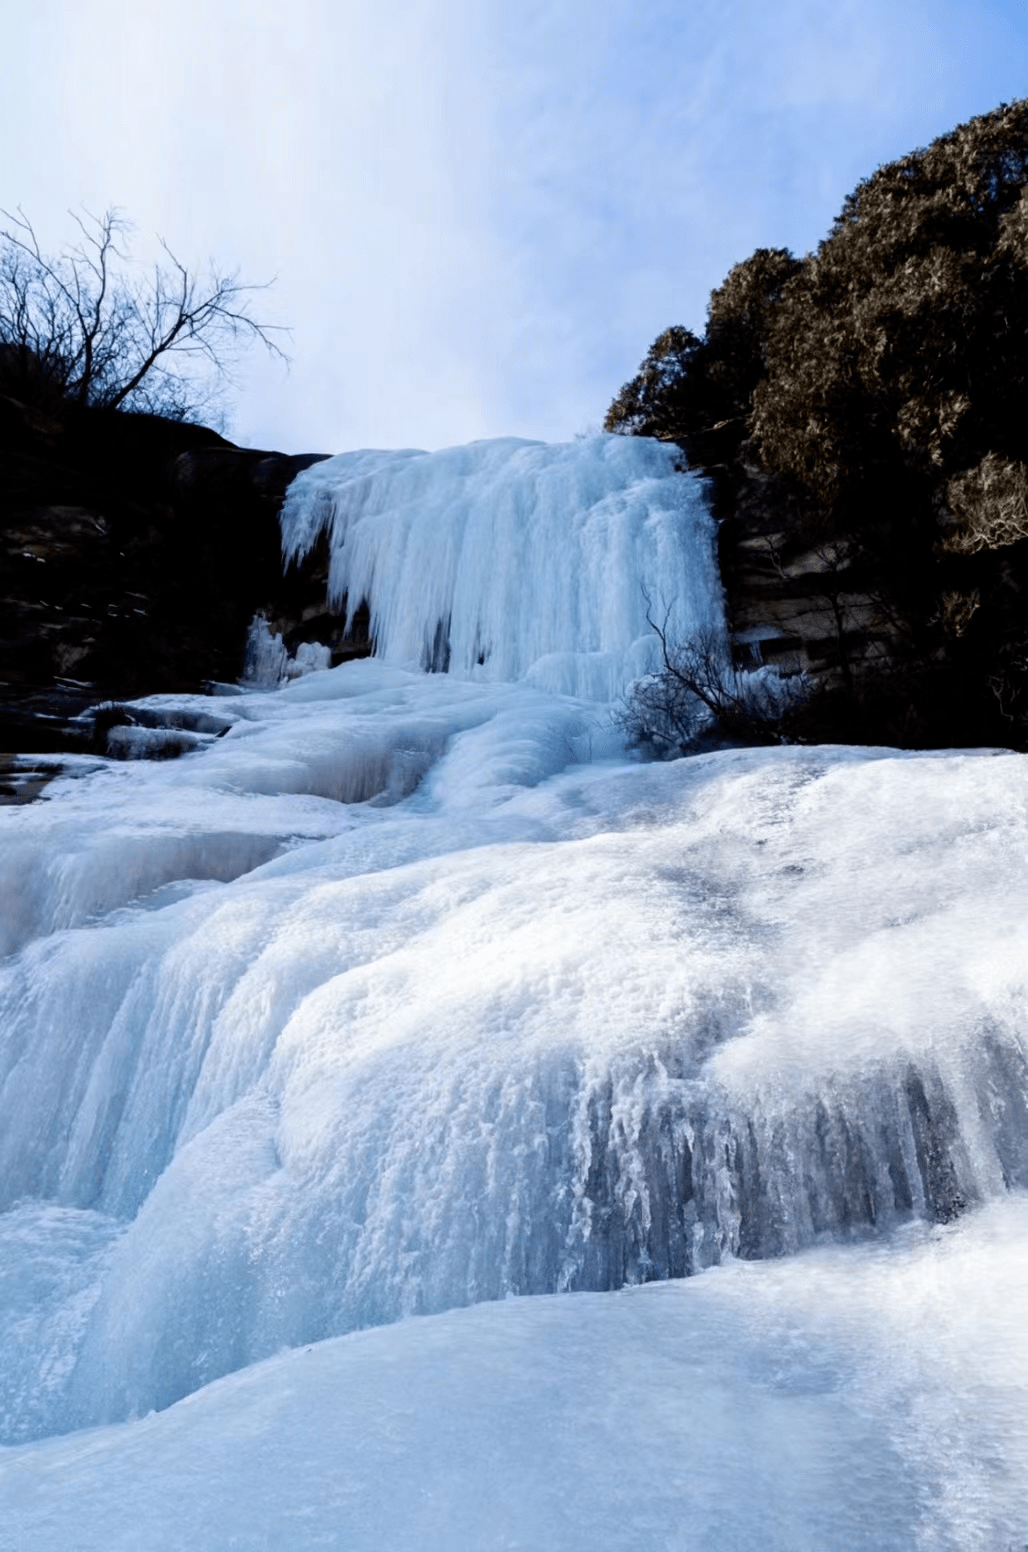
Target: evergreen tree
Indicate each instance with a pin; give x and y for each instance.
(878, 386)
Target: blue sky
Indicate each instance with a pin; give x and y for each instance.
(479, 214)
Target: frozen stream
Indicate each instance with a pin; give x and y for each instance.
(414, 991)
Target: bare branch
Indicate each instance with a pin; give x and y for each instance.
(699, 691)
(93, 327)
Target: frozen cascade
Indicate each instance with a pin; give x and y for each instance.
(616, 1026)
(413, 991)
(506, 559)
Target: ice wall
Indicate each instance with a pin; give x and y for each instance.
(506, 559)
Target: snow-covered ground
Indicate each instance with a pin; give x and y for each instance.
(414, 993)
(869, 1401)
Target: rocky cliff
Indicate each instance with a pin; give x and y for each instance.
(134, 551)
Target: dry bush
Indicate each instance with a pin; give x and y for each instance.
(991, 504)
(699, 691)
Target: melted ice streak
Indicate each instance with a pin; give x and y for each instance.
(510, 559)
(410, 991)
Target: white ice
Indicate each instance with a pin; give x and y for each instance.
(537, 1025)
(267, 662)
(506, 559)
(833, 1402)
(414, 991)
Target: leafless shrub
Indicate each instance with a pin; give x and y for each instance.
(957, 610)
(699, 691)
(991, 503)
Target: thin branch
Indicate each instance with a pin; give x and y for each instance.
(103, 334)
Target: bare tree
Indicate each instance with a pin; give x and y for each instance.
(699, 690)
(91, 326)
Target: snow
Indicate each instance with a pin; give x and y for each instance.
(870, 1402)
(414, 994)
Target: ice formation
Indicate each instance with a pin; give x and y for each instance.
(510, 559)
(267, 662)
(803, 1405)
(413, 991)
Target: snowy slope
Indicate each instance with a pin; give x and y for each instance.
(870, 1402)
(414, 991)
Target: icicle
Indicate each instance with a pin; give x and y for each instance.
(507, 559)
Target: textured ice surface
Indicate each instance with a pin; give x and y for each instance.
(412, 991)
(266, 660)
(509, 558)
(539, 1024)
(839, 1401)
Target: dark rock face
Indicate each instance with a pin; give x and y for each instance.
(134, 551)
(791, 602)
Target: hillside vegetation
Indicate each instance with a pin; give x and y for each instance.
(866, 405)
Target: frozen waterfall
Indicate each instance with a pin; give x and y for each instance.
(415, 991)
(511, 560)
